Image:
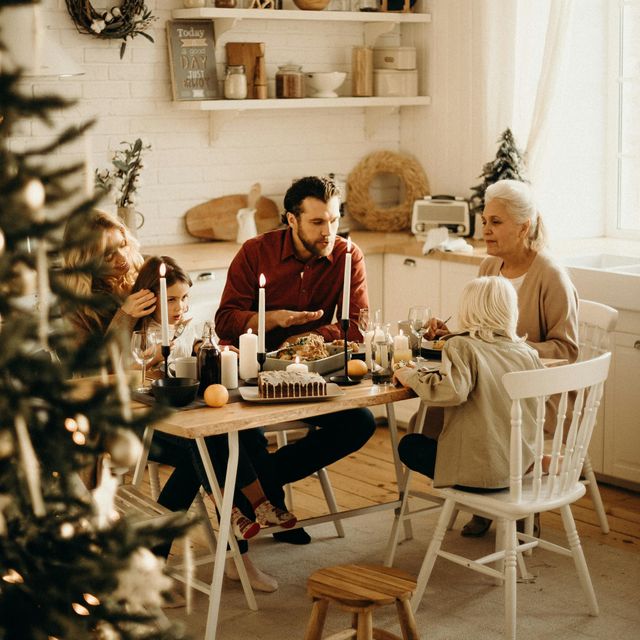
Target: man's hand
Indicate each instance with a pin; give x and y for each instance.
(285, 318)
(140, 304)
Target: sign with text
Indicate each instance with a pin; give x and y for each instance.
(192, 59)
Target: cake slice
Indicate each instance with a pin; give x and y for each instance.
(290, 384)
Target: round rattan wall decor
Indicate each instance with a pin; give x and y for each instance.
(360, 203)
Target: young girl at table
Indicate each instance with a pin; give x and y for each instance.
(473, 448)
(105, 261)
(266, 514)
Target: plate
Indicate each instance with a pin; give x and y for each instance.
(431, 354)
(250, 394)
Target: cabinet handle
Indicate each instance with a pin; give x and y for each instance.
(409, 262)
(205, 275)
(636, 344)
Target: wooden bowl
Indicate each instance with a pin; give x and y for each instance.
(311, 5)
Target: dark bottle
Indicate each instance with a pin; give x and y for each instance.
(208, 359)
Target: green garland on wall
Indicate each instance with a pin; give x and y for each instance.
(125, 22)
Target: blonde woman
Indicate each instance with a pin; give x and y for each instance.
(106, 245)
(473, 448)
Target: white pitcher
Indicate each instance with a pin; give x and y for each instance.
(246, 225)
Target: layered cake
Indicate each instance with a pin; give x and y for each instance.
(290, 384)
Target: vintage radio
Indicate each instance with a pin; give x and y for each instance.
(441, 211)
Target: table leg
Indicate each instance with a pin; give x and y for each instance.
(138, 474)
(401, 477)
(224, 506)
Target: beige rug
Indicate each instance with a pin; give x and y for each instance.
(459, 604)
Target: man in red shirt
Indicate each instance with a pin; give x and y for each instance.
(304, 269)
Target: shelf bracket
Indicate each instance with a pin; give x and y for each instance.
(374, 117)
(373, 30)
(222, 25)
(218, 120)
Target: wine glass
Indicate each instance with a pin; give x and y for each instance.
(364, 321)
(418, 322)
(143, 349)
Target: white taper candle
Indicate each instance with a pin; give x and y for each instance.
(261, 314)
(164, 311)
(346, 286)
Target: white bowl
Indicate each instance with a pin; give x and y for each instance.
(324, 83)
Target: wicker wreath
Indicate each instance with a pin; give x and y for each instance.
(364, 209)
(128, 20)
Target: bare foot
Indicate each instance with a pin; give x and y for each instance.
(259, 580)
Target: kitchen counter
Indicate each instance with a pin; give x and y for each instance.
(197, 256)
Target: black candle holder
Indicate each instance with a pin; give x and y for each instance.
(262, 358)
(344, 380)
(166, 350)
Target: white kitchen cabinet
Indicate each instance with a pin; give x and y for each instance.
(408, 282)
(621, 442)
(453, 278)
(374, 264)
(374, 24)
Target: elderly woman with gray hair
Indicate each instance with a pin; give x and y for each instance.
(547, 300)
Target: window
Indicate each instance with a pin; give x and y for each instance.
(626, 107)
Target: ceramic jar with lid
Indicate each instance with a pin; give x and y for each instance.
(289, 81)
(235, 82)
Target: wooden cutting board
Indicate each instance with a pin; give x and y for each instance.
(216, 219)
(251, 55)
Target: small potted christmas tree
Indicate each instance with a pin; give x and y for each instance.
(508, 164)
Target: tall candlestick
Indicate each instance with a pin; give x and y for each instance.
(346, 287)
(248, 355)
(229, 368)
(164, 311)
(261, 312)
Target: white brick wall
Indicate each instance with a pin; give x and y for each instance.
(132, 97)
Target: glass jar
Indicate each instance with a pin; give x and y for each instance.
(235, 82)
(193, 4)
(289, 81)
(208, 359)
(382, 352)
(225, 4)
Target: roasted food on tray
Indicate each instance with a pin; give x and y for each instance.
(307, 348)
(354, 347)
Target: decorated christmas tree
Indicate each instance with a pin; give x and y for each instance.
(71, 567)
(508, 165)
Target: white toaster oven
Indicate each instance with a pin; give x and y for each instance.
(451, 212)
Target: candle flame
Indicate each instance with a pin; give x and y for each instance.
(262, 280)
(401, 332)
(163, 270)
(297, 359)
(348, 245)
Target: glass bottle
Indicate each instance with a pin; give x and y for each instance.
(208, 359)
(382, 349)
(235, 82)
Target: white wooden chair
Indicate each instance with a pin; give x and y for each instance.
(535, 492)
(596, 322)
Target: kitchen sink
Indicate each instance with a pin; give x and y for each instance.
(602, 261)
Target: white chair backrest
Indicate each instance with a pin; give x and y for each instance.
(595, 322)
(587, 380)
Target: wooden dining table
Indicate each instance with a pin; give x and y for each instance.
(230, 419)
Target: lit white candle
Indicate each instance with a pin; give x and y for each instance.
(261, 312)
(346, 286)
(248, 355)
(164, 310)
(297, 367)
(400, 342)
(229, 368)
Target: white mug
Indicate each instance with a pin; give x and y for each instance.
(185, 367)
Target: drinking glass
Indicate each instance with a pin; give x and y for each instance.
(143, 349)
(364, 322)
(418, 321)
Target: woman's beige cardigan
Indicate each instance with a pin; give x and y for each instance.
(473, 448)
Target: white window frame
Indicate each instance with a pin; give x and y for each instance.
(614, 112)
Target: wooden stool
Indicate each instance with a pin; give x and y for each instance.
(359, 589)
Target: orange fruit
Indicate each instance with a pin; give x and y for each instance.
(216, 395)
(356, 368)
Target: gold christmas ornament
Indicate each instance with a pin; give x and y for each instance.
(124, 447)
